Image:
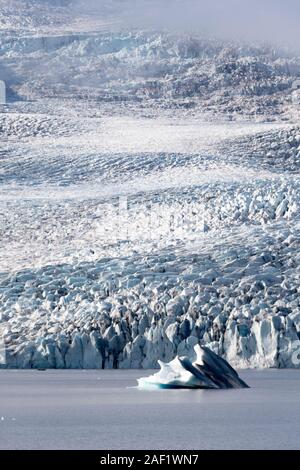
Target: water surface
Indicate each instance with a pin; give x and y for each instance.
(77, 409)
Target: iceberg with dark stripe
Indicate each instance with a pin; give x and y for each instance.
(204, 370)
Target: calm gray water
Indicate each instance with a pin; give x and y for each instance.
(97, 410)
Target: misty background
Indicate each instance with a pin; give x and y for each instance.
(272, 21)
(256, 20)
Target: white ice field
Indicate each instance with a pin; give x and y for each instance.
(149, 195)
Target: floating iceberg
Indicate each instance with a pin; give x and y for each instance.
(204, 370)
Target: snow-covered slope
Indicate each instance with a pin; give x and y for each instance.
(149, 193)
(151, 69)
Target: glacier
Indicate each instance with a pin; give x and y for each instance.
(149, 194)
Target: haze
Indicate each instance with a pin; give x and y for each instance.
(262, 20)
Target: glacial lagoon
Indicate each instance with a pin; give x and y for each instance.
(103, 409)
